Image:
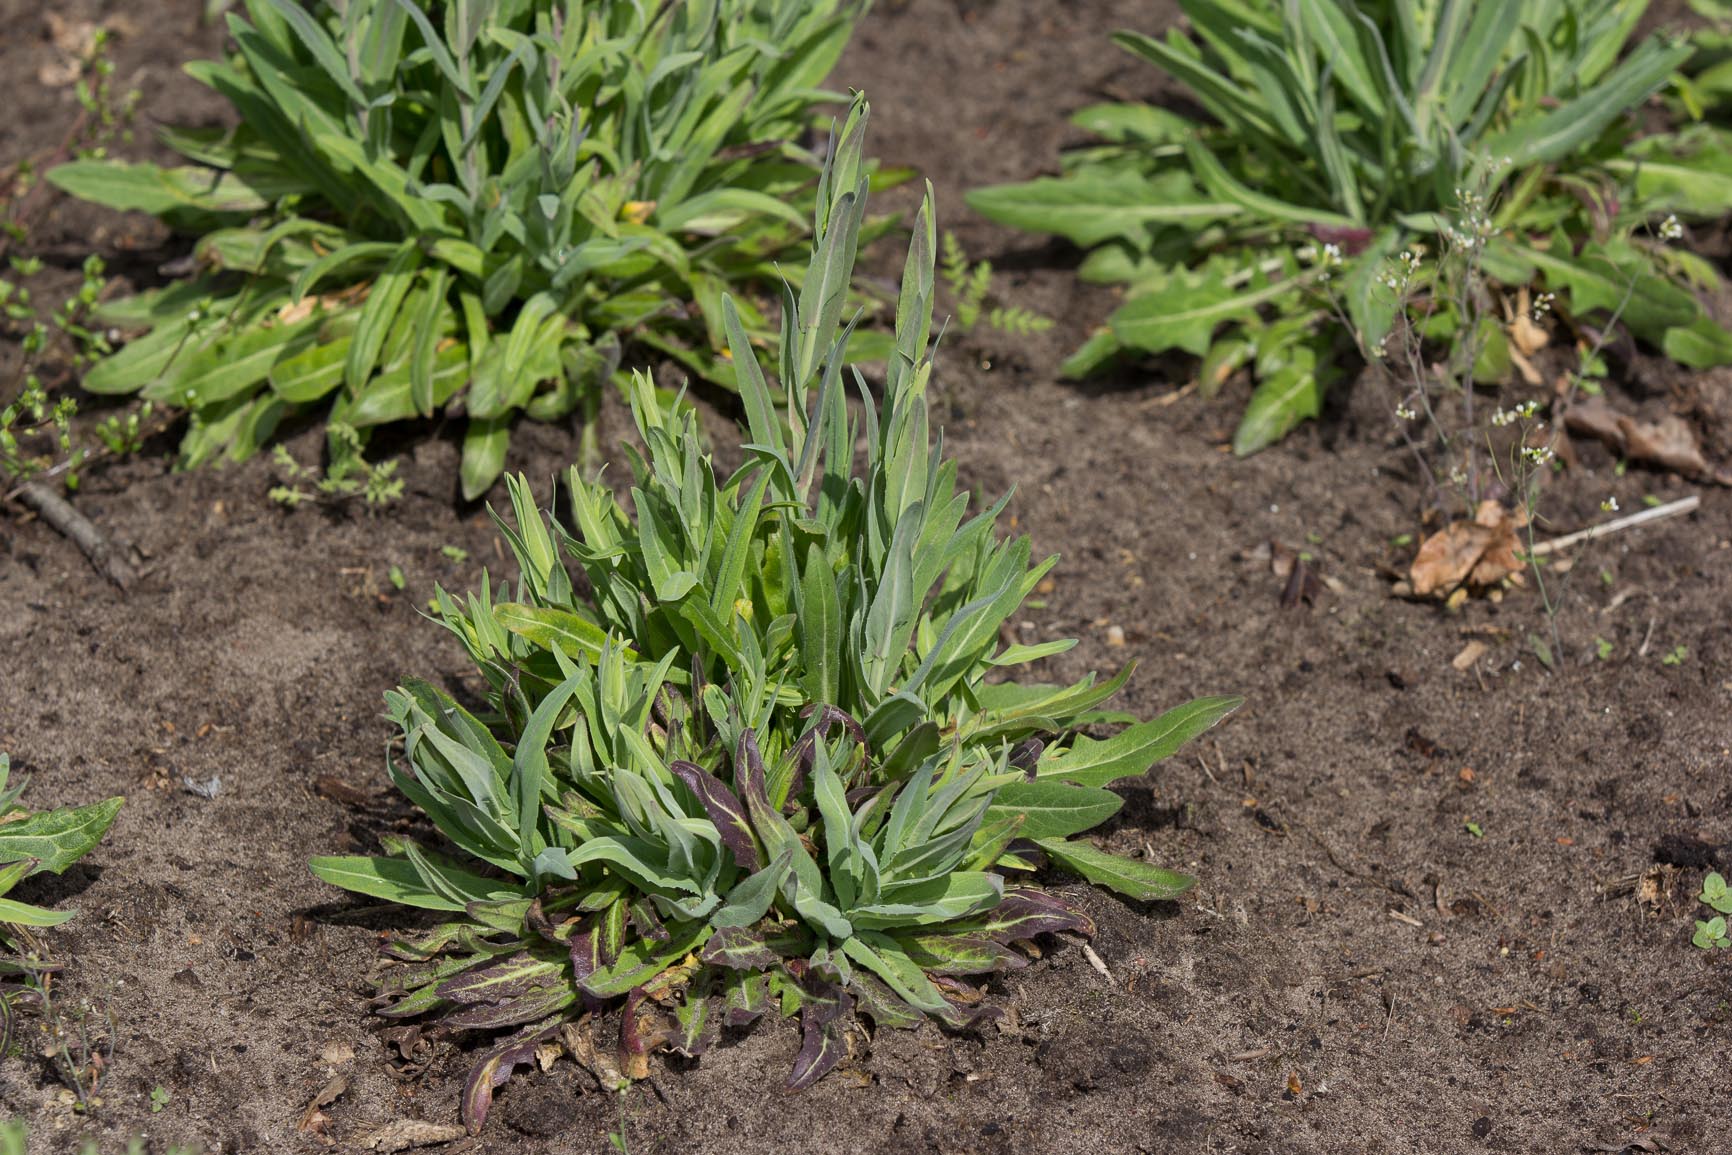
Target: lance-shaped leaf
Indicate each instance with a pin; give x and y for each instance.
(1138, 880)
(57, 838)
(1024, 912)
(1053, 809)
(515, 977)
(723, 809)
(960, 954)
(885, 1007)
(751, 898)
(1133, 750)
(823, 1014)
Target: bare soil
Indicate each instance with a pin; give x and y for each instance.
(1360, 970)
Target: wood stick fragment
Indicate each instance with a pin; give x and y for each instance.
(58, 513)
(1095, 961)
(1658, 513)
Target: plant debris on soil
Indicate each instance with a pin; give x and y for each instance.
(1421, 926)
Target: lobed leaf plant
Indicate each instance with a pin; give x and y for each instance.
(466, 207)
(761, 752)
(1347, 142)
(31, 843)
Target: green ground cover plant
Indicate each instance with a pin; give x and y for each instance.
(468, 209)
(32, 842)
(1341, 146)
(766, 752)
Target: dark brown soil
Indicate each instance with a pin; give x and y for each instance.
(1358, 970)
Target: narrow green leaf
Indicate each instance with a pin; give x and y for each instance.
(1130, 878)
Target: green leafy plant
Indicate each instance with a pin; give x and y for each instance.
(1711, 934)
(48, 840)
(761, 758)
(36, 430)
(970, 285)
(1715, 893)
(349, 475)
(468, 207)
(1345, 140)
(30, 843)
(1676, 656)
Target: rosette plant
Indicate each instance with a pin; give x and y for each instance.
(1339, 147)
(762, 751)
(467, 208)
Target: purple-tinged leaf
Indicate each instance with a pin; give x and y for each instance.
(1026, 756)
(966, 1018)
(643, 960)
(585, 948)
(520, 975)
(641, 1030)
(1353, 241)
(495, 1068)
(1023, 913)
(538, 922)
(646, 922)
(823, 1015)
(408, 1006)
(725, 810)
(745, 999)
(960, 954)
(883, 1005)
(515, 1012)
(738, 948)
(829, 716)
(749, 772)
(610, 933)
(695, 1026)
(804, 753)
(789, 940)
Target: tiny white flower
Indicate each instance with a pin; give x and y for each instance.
(1610, 505)
(1405, 412)
(1670, 229)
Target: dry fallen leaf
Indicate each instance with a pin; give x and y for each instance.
(406, 1133)
(314, 1121)
(1669, 443)
(1524, 332)
(1478, 553)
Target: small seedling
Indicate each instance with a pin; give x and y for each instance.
(350, 474)
(1603, 648)
(1716, 893)
(970, 285)
(159, 1097)
(1473, 828)
(395, 573)
(1711, 934)
(455, 553)
(1676, 657)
